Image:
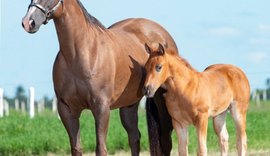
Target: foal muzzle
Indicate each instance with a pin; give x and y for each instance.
(148, 91)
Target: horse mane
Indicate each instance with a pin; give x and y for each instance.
(181, 59)
(186, 63)
(89, 17)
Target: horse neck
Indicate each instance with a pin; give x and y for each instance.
(181, 73)
(74, 30)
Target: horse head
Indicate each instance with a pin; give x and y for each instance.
(39, 12)
(156, 69)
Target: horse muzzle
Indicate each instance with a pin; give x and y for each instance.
(148, 91)
(29, 25)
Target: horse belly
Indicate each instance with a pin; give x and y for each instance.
(129, 77)
(128, 93)
(221, 94)
(127, 98)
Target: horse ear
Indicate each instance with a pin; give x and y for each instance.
(147, 48)
(161, 49)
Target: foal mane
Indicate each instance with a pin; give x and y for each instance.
(180, 58)
(89, 17)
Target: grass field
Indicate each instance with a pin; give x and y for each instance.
(45, 133)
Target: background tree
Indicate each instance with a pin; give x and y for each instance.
(268, 88)
(20, 94)
(48, 102)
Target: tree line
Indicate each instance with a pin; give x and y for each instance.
(21, 97)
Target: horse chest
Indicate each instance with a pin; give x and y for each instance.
(177, 110)
(80, 88)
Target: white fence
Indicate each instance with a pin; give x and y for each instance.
(1, 102)
(32, 102)
(22, 106)
(256, 96)
(4, 106)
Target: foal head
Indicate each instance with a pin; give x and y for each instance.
(39, 12)
(156, 69)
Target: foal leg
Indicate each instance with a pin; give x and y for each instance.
(182, 136)
(239, 118)
(222, 133)
(101, 114)
(72, 125)
(129, 119)
(201, 127)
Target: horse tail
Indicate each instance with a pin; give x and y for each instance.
(154, 129)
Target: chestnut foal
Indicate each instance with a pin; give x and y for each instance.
(192, 97)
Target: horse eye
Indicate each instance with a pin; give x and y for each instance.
(158, 67)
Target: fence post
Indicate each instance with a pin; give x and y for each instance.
(54, 104)
(23, 107)
(17, 105)
(6, 108)
(254, 95)
(264, 95)
(258, 100)
(41, 105)
(1, 102)
(32, 102)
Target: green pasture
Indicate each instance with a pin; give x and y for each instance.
(20, 135)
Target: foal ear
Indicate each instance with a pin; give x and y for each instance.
(147, 48)
(161, 50)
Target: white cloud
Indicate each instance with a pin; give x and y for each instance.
(224, 32)
(260, 41)
(257, 57)
(264, 28)
(262, 36)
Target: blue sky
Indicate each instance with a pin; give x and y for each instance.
(206, 32)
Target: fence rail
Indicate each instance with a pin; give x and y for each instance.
(32, 107)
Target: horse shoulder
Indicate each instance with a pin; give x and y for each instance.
(60, 75)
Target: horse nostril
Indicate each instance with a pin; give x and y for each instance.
(22, 25)
(32, 23)
(146, 90)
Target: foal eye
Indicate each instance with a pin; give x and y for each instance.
(158, 67)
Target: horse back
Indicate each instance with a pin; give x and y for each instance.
(144, 31)
(232, 76)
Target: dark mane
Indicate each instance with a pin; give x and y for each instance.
(89, 17)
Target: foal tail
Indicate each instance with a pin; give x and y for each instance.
(154, 129)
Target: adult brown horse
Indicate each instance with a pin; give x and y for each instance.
(192, 97)
(101, 69)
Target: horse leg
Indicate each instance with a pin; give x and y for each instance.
(159, 128)
(182, 136)
(129, 119)
(153, 127)
(72, 125)
(201, 127)
(222, 133)
(239, 118)
(165, 122)
(101, 114)
(166, 131)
